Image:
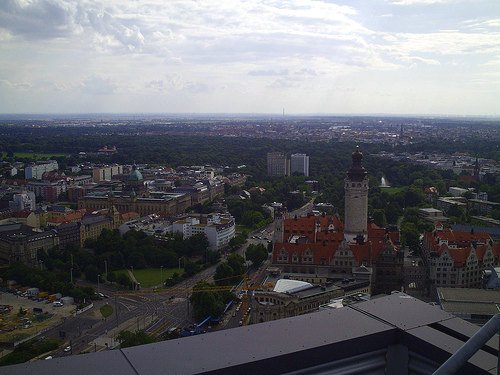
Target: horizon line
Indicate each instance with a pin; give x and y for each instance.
(251, 114)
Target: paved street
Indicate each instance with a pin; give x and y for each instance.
(157, 311)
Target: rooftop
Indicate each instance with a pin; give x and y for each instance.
(393, 334)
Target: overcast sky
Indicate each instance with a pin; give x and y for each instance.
(345, 56)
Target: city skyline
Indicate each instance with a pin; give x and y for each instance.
(422, 57)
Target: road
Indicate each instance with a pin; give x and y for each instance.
(155, 312)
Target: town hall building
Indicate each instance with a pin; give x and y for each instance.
(356, 248)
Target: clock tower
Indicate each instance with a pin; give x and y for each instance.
(356, 199)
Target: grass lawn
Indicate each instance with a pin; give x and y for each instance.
(241, 228)
(106, 310)
(34, 155)
(150, 277)
(392, 190)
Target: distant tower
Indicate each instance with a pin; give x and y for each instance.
(356, 198)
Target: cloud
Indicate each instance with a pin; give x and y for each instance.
(97, 85)
(268, 72)
(38, 19)
(483, 24)
(155, 84)
(15, 85)
(420, 2)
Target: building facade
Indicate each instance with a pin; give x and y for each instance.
(219, 229)
(299, 163)
(270, 305)
(277, 164)
(20, 243)
(36, 171)
(105, 173)
(167, 205)
(458, 259)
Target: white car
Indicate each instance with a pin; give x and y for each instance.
(57, 304)
(67, 349)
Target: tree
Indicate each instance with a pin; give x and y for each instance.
(379, 218)
(208, 303)
(190, 268)
(128, 339)
(223, 274)
(256, 254)
(410, 236)
(237, 263)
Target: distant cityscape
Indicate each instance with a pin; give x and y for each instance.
(145, 239)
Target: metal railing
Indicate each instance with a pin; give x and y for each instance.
(475, 343)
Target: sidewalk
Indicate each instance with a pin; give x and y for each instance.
(109, 338)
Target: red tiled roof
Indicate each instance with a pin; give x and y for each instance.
(325, 243)
(319, 250)
(459, 255)
(22, 214)
(68, 218)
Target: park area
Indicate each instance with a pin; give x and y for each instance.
(151, 277)
(34, 155)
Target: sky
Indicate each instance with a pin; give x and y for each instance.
(234, 56)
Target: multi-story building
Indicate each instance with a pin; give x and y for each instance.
(92, 226)
(167, 204)
(80, 180)
(48, 191)
(104, 173)
(55, 219)
(482, 206)
(35, 171)
(458, 259)
(277, 164)
(299, 163)
(323, 245)
(219, 229)
(431, 214)
(20, 243)
(199, 193)
(23, 201)
(69, 233)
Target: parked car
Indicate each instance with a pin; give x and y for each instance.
(67, 349)
(57, 304)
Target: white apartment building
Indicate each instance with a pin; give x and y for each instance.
(219, 229)
(35, 171)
